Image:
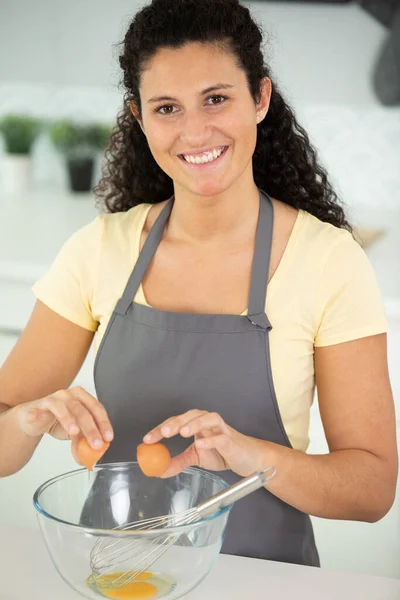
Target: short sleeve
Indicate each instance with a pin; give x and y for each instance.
(69, 285)
(350, 301)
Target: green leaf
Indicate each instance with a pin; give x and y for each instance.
(19, 133)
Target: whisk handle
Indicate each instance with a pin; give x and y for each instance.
(235, 492)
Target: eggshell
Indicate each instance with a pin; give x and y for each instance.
(87, 455)
(153, 459)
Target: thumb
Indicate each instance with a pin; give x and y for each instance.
(38, 422)
(188, 458)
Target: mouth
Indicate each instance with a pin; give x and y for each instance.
(204, 159)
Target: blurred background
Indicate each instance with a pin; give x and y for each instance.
(338, 64)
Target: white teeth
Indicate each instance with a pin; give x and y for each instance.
(204, 158)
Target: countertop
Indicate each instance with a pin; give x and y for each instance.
(27, 573)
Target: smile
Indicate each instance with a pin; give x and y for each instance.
(209, 156)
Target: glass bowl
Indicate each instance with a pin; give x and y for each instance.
(81, 516)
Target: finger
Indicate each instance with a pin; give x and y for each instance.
(97, 410)
(171, 426)
(222, 443)
(56, 407)
(206, 433)
(205, 422)
(38, 422)
(34, 415)
(155, 434)
(86, 423)
(188, 458)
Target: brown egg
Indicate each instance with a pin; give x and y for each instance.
(153, 459)
(87, 455)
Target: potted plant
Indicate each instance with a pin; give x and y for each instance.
(80, 144)
(19, 133)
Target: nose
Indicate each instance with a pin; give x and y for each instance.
(196, 129)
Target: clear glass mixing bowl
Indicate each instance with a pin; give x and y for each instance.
(79, 513)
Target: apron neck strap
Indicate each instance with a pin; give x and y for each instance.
(261, 263)
(260, 268)
(145, 257)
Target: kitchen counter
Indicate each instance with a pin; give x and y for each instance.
(27, 573)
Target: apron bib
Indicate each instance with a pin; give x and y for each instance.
(153, 364)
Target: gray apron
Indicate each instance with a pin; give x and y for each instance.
(153, 364)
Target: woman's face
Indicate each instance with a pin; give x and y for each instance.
(199, 117)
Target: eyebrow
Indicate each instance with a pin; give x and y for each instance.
(213, 88)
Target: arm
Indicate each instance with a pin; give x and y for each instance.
(33, 383)
(357, 411)
(356, 480)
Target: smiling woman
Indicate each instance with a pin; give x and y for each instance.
(203, 139)
(223, 286)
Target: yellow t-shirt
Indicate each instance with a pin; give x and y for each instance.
(323, 292)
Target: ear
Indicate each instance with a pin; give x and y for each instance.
(135, 111)
(264, 99)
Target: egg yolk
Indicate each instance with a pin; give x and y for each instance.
(87, 455)
(136, 590)
(153, 459)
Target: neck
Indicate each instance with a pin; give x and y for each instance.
(214, 219)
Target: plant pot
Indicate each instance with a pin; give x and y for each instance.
(80, 173)
(16, 173)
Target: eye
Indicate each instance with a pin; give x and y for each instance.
(166, 109)
(218, 99)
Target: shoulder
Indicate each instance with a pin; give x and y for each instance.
(325, 233)
(326, 243)
(312, 244)
(310, 231)
(343, 273)
(325, 259)
(121, 223)
(109, 234)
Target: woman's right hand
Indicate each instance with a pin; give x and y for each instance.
(67, 414)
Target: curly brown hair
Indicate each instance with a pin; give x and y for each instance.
(285, 164)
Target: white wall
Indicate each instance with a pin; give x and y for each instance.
(320, 54)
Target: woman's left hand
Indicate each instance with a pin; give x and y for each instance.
(216, 446)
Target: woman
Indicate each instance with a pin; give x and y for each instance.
(222, 285)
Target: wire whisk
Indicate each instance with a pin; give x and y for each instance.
(108, 557)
